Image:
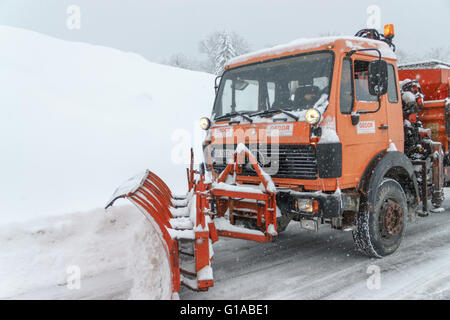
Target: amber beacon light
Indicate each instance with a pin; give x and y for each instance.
(389, 31)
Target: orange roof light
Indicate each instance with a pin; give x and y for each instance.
(389, 31)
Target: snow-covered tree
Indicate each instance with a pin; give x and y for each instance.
(224, 52)
(220, 47)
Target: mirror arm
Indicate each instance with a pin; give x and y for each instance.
(349, 54)
(374, 111)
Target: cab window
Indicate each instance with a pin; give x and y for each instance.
(346, 89)
(247, 95)
(361, 80)
(392, 85)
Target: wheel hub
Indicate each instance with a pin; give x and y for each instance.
(393, 219)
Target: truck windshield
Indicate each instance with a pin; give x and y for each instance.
(294, 83)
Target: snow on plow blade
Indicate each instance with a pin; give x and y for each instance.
(185, 233)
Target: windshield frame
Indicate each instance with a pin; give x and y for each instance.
(222, 77)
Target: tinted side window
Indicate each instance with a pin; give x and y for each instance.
(346, 90)
(362, 82)
(392, 84)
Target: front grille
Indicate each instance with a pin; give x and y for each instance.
(286, 161)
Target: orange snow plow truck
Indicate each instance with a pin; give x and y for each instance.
(320, 131)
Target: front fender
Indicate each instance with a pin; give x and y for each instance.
(392, 164)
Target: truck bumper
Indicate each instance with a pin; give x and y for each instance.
(329, 205)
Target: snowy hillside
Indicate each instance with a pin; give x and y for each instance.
(79, 119)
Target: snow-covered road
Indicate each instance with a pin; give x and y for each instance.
(298, 265)
(325, 265)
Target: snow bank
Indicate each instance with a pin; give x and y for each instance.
(42, 254)
(148, 266)
(78, 119)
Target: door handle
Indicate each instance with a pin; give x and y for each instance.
(383, 127)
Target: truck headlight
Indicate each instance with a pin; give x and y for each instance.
(306, 205)
(205, 123)
(312, 116)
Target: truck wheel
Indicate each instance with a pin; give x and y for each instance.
(381, 225)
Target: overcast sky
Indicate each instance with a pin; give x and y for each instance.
(157, 29)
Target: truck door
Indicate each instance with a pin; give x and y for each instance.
(361, 141)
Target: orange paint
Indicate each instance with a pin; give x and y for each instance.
(360, 143)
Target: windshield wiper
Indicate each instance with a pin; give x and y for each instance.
(233, 114)
(270, 111)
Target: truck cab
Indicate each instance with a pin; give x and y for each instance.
(255, 86)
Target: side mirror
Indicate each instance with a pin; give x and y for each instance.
(378, 80)
(216, 83)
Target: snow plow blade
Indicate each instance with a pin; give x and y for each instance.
(185, 233)
(190, 224)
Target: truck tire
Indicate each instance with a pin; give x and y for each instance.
(381, 225)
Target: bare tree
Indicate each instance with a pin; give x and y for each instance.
(435, 53)
(330, 34)
(438, 53)
(404, 57)
(179, 60)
